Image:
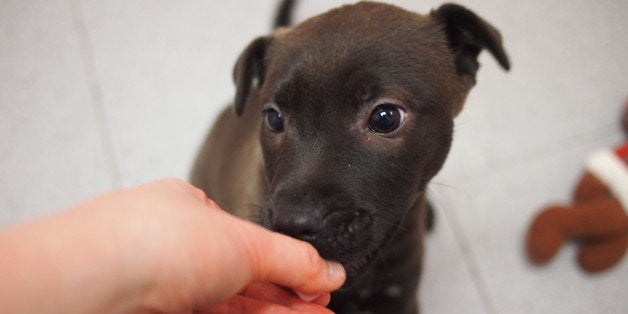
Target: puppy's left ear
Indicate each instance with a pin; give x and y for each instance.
(467, 34)
(249, 69)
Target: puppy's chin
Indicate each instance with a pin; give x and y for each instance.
(356, 267)
(362, 262)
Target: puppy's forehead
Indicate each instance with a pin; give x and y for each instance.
(354, 26)
(364, 48)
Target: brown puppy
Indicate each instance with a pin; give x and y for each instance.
(339, 123)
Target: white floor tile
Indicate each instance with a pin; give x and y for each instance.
(50, 154)
(446, 272)
(165, 71)
(494, 211)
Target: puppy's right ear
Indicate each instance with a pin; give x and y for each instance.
(249, 70)
(468, 34)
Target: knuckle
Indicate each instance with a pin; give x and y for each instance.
(198, 194)
(180, 186)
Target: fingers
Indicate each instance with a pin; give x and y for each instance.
(246, 305)
(268, 292)
(319, 298)
(277, 258)
(323, 299)
(273, 293)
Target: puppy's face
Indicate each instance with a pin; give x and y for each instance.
(358, 106)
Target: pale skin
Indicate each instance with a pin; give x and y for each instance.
(162, 247)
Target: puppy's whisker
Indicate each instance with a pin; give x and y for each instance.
(382, 220)
(449, 186)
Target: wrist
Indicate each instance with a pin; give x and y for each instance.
(60, 264)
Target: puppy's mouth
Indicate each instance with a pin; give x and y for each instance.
(348, 239)
(355, 266)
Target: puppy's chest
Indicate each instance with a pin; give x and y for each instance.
(389, 287)
(383, 297)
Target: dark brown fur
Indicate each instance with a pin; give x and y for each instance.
(357, 196)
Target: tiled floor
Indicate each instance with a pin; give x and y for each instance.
(100, 94)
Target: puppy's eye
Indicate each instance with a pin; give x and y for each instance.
(386, 118)
(274, 120)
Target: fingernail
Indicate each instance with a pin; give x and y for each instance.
(307, 297)
(336, 271)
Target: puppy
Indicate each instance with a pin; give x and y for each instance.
(338, 125)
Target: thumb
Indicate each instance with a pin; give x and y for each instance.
(277, 258)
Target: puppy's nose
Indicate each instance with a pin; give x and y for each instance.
(302, 225)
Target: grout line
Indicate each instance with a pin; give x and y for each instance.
(470, 262)
(95, 92)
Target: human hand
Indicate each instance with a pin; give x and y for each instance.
(160, 247)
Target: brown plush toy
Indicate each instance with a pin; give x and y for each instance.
(596, 218)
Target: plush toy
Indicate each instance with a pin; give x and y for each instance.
(597, 217)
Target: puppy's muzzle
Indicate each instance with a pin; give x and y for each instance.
(331, 221)
(311, 224)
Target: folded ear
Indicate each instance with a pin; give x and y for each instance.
(467, 35)
(249, 70)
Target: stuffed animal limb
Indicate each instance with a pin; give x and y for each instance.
(596, 219)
